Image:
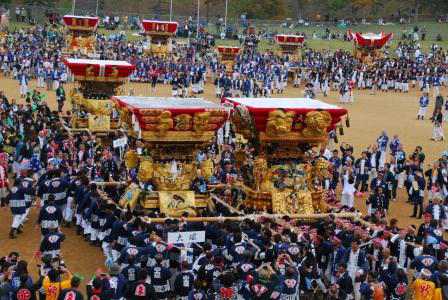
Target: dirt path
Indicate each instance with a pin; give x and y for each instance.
(369, 115)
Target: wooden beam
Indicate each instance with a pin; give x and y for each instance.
(307, 217)
(109, 183)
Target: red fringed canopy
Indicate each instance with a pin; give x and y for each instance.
(159, 27)
(84, 23)
(99, 70)
(370, 40)
(259, 108)
(144, 109)
(287, 39)
(228, 50)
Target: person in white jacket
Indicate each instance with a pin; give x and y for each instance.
(348, 190)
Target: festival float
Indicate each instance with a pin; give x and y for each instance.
(289, 44)
(367, 46)
(4, 22)
(286, 177)
(227, 56)
(159, 37)
(3, 41)
(96, 81)
(81, 36)
(172, 130)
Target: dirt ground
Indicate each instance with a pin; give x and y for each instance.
(369, 115)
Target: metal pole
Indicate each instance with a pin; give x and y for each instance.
(197, 25)
(225, 19)
(73, 7)
(171, 10)
(298, 9)
(96, 10)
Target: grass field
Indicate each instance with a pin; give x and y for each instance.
(432, 30)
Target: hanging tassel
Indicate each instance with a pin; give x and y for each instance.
(347, 122)
(341, 130)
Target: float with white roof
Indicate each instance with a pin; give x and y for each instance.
(159, 36)
(173, 131)
(289, 44)
(172, 122)
(96, 81)
(81, 36)
(368, 45)
(227, 55)
(286, 132)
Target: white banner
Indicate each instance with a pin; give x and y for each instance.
(121, 142)
(186, 237)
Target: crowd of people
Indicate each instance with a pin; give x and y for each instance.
(43, 168)
(37, 54)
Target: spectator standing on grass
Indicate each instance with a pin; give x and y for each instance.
(17, 11)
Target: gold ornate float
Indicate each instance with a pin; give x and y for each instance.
(289, 45)
(96, 82)
(367, 46)
(287, 178)
(173, 130)
(171, 186)
(159, 35)
(81, 34)
(227, 55)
